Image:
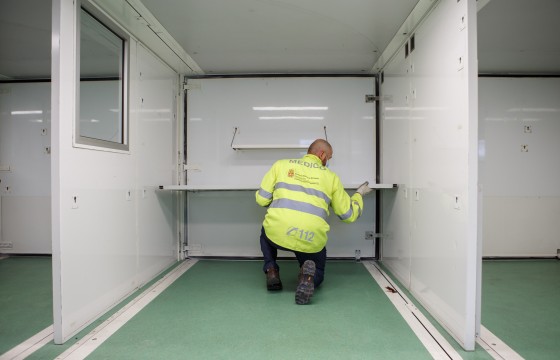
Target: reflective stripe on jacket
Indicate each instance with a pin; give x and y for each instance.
(298, 193)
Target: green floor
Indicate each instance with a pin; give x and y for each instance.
(521, 305)
(25, 299)
(221, 310)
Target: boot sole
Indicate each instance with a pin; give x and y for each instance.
(274, 287)
(306, 287)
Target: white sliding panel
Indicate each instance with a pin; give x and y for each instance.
(63, 113)
(430, 135)
(112, 232)
(395, 159)
(155, 151)
(520, 171)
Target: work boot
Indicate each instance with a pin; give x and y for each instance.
(305, 287)
(273, 281)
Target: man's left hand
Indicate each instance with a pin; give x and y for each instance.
(364, 189)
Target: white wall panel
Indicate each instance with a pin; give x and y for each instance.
(224, 223)
(228, 223)
(521, 226)
(507, 106)
(25, 149)
(521, 192)
(430, 148)
(217, 106)
(345, 239)
(25, 143)
(115, 236)
(26, 224)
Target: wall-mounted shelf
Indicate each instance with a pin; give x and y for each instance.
(254, 188)
(204, 188)
(268, 147)
(382, 186)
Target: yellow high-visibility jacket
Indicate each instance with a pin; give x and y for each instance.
(298, 193)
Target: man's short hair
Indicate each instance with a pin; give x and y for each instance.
(318, 146)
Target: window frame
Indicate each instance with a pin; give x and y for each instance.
(81, 141)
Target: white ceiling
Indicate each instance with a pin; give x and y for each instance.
(297, 36)
(282, 36)
(519, 36)
(25, 38)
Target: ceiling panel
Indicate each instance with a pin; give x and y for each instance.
(519, 37)
(297, 36)
(25, 39)
(282, 36)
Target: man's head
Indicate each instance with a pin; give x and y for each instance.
(322, 149)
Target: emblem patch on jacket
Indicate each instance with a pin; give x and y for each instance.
(291, 173)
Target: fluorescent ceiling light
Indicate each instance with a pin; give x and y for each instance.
(289, 108)
(27, 112)
(404, 118)
(533, 110)
(145, 110)
(155, 110)
(397, 108)
(291, 117)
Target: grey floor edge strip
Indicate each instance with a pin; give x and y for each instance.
(433, 341)
(97, 336)
(30, 345)
(37, 341)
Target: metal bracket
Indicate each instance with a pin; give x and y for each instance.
(233, 138)
(192, 167)
(191, 86)
(285, 146)
(370, 235)
(374, 98)
(193, 247)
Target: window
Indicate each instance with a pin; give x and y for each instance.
(102, 120)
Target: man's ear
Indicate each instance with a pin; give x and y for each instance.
(323, 158)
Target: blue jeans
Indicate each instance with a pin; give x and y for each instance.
(270, 254)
